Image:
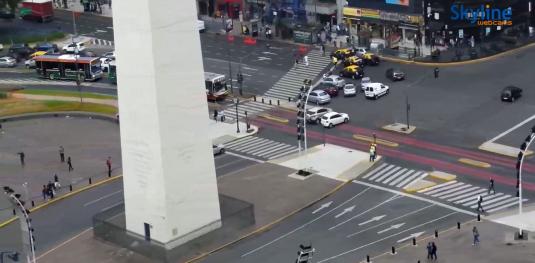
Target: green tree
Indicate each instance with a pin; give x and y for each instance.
(11, 4)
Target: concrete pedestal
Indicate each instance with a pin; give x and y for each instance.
(169, 175)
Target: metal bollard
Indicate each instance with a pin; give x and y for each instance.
(436, 233)
(278, 102)
(14, 212)
(70, 188)
(90, 182)
(269, 101)
(393, 250)
(478, 217)
(368, 258)
(33, 203)
(414, 241)
(458, 225)
(262, 100)
(254, 98)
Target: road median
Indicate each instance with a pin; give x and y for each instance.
(274, 118)
(371, 140)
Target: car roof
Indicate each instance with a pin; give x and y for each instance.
(329, 114)
(352, 67)
(316, 108)
(7, 57)
(511, 88)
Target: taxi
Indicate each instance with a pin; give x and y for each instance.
(370, 59)
(353, 60)
(352, 71)
(37, 53)
(342, 53)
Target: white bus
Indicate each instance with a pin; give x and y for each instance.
(216, 86)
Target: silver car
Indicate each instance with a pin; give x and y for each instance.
(314, 114)
(334, 80)
(7, 62)
(319, 97)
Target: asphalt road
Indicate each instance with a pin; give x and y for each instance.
(355, 222)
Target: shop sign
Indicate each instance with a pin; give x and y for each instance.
(398, 2)
(304, 37)
(390, 16)
(370, 13)
(348, 11)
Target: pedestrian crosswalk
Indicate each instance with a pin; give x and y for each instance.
(288, 86)
(101, 42)
(466, 195)
(260, 147)
(251, 107)
(393, 175)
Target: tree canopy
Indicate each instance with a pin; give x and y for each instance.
(11, 4)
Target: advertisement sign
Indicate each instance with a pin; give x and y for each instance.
(484, 15)
(370, 13)
(398, 2)
(348, 11)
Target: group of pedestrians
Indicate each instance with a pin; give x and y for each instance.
(49, 190)
(432, 251)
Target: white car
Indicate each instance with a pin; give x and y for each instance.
(359, 51)
(376, 90)
(332, 119)
(30, 63)
(73, 47)
(314, 114)
(105, 63)
(363, 82)
(110, 54)
(7, 62)
(350, 90)
(218, 149)
(334, 80)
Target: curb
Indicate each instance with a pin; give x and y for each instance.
(378, 141)
(460, 63)
(474, 163)
(274, 118)
(402, 130)
(53, 201)
(57, 114)
(269, 225)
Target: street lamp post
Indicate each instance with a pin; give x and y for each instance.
(520, 161)
(237, 101)
(25, 223)
(308, 84)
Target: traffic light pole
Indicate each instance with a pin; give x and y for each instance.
(523, 149)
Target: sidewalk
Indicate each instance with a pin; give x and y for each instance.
(455, 246)
(75, 5)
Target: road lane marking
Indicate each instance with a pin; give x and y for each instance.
(64, 243)
(396, 226)
(414, 235)
(437, 186)
(393, 219)
(322, 207)
(110, 207)
(376, 218)
(102, 198)
(347, 210)
(392, 198)
(382, 239)
(248, 68)
(244, 157)
(512, 129)
(228, 163)
(416, 197)
(305, 225)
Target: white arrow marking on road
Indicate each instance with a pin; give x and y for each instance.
(323, 206)
(269, 53)
(248, 68)
(377, 218)
(390, 228)
(263, 58)
(347, 210)
(415, 235)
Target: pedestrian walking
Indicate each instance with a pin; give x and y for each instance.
(436, 73)
(322, 50)
(215, 115)
(475, 232)
(296, 59)
(335, 60)
(434, 251)
(22, 156)
(57, 185)
(45, 192)
(108, 164)
(429, 251)
(372, 152)
(479, 202)
(491, 186)
(61, 154)
(69, 163)
(305, 59)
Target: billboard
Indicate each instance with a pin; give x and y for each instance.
(398, 2)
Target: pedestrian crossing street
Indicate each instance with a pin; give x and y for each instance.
(101, 42)
(453, 192)
(288, 86)
(260, 147)
(393, 175)
(251, 107)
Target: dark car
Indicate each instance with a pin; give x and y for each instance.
(6, 14)
(511, 93)
(395, 74)
(331, 90)
(48, 47)
(20, 51)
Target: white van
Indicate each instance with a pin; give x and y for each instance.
(375, 90)
(200, 26)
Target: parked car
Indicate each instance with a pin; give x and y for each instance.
(370, 59)
(331, 90)
(342, 53)
(376, 90)
(332, 119)
(334, 80)
(314, 114)
(29, 63)
(354, 72)
(350, 90)
(511, 93)
(37, 53)
(48, 47)
(73, 47)
(319, 97)
(20, 51)
(218, 149)
(7, 62)
(6, 14)
(363, 82)
(395, 74)
(353, 60)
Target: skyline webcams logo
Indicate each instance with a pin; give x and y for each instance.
(484, 15)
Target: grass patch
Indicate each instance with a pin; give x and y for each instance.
(3, 95)
(62, 93)
(14, 106)
(51, 36)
